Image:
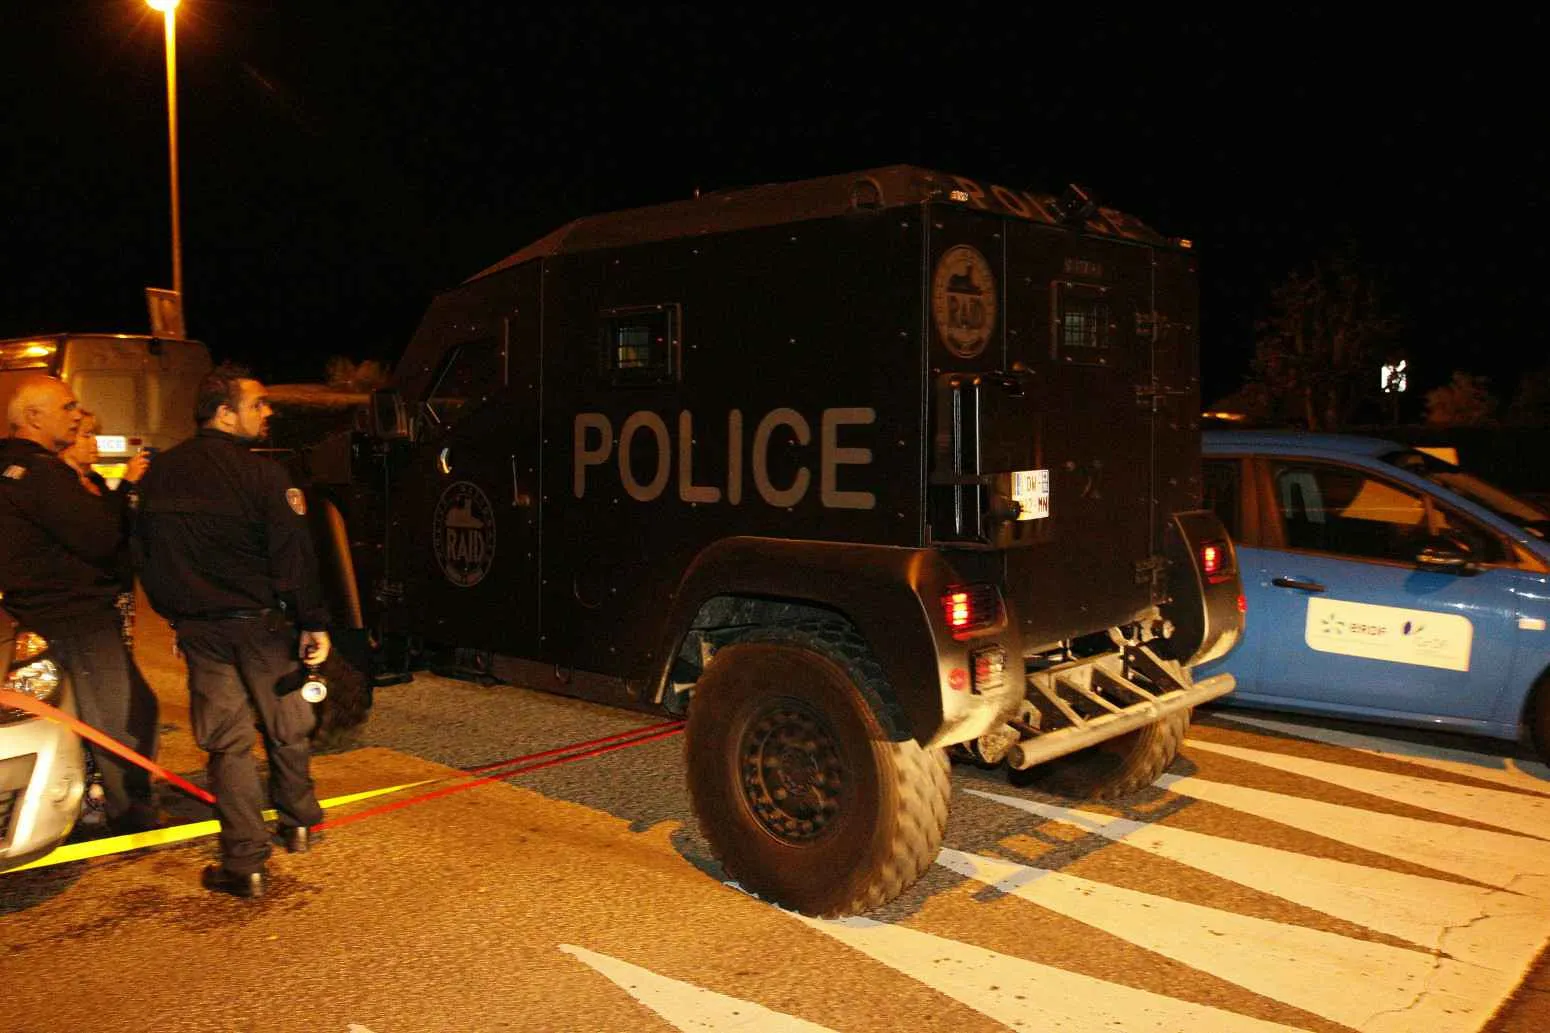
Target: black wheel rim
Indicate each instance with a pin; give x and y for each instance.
(791, 771)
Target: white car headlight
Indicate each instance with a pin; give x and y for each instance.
(32, 673)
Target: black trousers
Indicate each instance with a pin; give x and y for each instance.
(233, 668)
(113, 697)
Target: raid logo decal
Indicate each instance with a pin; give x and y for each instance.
(1425, 638)
(963, 300)
(296, 500)
(463, 534)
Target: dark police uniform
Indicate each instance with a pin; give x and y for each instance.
(61, 568)
(225, 556)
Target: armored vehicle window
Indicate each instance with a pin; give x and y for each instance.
(1080, 317)
(473, 371)
(640, 345)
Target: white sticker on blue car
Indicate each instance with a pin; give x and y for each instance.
(1421, 637)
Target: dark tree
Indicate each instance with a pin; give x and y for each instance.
(1319, 353)
(1465, 401)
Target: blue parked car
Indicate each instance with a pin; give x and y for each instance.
(1383, 584)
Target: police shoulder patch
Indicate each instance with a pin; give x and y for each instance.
(296, 500)
(14, 472)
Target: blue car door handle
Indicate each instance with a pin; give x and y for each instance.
(1297, 583)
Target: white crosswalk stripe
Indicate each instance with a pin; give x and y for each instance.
(1507, 771)
(1384, 988)
(1483, 926)
(1495, 858)
(1026, 995)
(1520, 812)
(688, 1007)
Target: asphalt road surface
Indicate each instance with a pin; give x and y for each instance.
(1284, 875)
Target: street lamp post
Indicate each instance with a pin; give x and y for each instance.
(168, 9)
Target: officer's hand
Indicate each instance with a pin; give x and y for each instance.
(136, 467)
(314, 647)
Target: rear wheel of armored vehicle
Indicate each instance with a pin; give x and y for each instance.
(803, 794)
(1117, 767)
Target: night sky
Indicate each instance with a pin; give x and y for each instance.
(341, 161)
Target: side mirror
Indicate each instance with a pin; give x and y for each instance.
(1446, 556)
(389, 420)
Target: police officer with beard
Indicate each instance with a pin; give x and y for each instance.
(226, 557)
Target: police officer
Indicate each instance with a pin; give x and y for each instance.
(226, 557)
(61, 554)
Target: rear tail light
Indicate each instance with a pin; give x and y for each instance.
(989, 667)
(1215, 562)
(970, 608)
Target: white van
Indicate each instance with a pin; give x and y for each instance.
(141, 388)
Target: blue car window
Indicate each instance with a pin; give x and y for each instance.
(1221, 479)
(1340, 510)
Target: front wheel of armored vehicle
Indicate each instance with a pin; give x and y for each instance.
(803, 795)
(1116, 767)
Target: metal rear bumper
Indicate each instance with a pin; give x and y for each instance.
(1075, 714)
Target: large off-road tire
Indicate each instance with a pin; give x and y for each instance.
(1118, 767)
(803, 792)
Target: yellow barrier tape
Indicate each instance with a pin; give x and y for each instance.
(176, 833)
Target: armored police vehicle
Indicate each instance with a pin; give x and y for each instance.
(852, 471)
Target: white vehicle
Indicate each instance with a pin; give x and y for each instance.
(42, 765)
(141, 388)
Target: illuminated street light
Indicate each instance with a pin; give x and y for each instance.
(167, 8)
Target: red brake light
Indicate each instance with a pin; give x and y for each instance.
(958, 610)
(968, 608)
(1212, 556)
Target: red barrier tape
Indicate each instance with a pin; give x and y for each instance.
(523, 765)
(517, 765)
(36, 707)
(676, 723)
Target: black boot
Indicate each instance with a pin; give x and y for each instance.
(297, 839)
(219, 880)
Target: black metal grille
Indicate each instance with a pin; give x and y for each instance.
(8, 801)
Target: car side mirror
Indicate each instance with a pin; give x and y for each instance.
(389, 419)
(1446, 556)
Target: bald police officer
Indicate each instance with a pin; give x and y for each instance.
(61, 551)
(227, 559)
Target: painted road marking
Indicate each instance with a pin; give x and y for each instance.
(1509, 771)
(1488, 927)
(173, 834)
(1494, 858)
(1025, 994)
(1381, 988)
(686, 1006)
(1520, 812)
